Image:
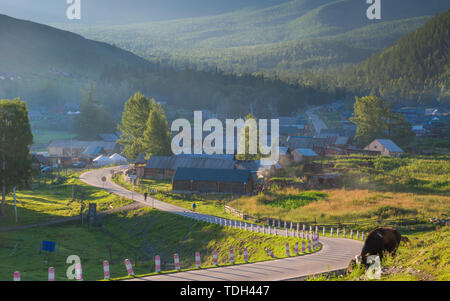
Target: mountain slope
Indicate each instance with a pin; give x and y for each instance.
(48, 67)
(32, 47)
(285, 36)
(417, 67)
(124, 12)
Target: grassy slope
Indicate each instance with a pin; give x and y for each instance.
(33, 47)
(302, 33)
(51, 202)
(213, 205)
(394, 188)
(427, 258)
(138, 235)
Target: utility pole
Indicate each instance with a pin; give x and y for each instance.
(2, 212)
(15, 204)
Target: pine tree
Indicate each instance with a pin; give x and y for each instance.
(375, 120)
(133, 124)
(156, 139)
(249, 132)
(369, 112)
(15, 142)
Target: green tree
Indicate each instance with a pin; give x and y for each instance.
(398, 128)
(250, 132)
(369, 112)
(15, 141)
(133, 124)
(375, 120)
(156, 139)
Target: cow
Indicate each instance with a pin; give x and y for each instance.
(381, 240)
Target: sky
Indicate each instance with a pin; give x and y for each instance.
(123, 12)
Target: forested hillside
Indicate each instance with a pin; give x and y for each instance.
(47, 66)
(28, 47)
(280, 39)
(417, 67)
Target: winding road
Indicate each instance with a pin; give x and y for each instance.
(335, 255)
(316, 121)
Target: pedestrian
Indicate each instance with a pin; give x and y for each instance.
(145, 196)
(194, 206)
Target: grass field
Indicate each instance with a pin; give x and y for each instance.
(426, 258)
(139, 235)
(50, 202)
(406, 188)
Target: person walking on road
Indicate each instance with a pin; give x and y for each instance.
(145, 196)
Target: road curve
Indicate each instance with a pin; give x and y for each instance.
(316, 121)
(336, 253)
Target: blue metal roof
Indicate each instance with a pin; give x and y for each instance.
(212, 175)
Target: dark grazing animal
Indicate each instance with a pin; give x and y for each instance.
(381, 240)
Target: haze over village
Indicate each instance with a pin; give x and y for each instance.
(165, 139)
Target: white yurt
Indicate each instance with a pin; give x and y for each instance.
(101, 161)
(117, 159)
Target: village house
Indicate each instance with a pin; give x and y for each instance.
(385, 147)
(316, 144)
(38, 161)
(67, 151)
(211, 180)
(108, 137)
(164, 167)
(304, 155)
(419, 130)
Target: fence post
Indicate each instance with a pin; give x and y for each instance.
(157, 264)
(231, 256)
(245, 255)
(129, 267)
(51, 274)
(197, 259)
(176, 260)
(16, 276)
(106, 273)
(79, 272)
(215, 258)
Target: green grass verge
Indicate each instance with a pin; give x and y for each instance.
(211, 204)
(426, 258)
(51, 202)
(138, 235)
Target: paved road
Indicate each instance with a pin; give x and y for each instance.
(336, 253)
(317, 122)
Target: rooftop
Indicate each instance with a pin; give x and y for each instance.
(212, 175)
